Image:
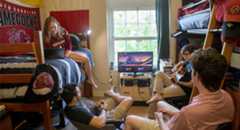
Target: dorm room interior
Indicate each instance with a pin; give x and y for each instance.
(119, 65)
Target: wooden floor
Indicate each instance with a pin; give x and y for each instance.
(134, 110)
(139, 110)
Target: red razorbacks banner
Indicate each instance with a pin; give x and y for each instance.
(17, 23)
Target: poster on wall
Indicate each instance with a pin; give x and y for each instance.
(74, 21)
(17, 23)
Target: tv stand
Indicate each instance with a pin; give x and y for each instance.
(136, 85)
(134, 74)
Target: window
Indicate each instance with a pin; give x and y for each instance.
(134, 30)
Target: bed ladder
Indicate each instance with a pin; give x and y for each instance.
(227, 52)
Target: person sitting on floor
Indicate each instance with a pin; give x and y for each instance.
(181, 76)
(113, 108)
(213, 106)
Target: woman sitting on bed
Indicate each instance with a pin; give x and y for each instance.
(57, 37)
(79, 44)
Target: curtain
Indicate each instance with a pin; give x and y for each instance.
(162, 19)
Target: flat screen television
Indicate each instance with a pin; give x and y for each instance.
(135, 61)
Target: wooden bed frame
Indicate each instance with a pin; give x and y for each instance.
(227, 52)
(36, 47)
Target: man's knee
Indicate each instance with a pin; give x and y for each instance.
(160, 75)
(129, 100)
(85, 60)
(130, 120)
(161, 104)
(139, 123)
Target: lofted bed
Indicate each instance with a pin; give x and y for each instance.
(32, 91)
(36, 49)
(24, 68)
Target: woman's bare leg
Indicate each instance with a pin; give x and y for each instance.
(78, 57)
(116, 96)
(89, 71)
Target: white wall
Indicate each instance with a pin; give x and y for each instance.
(131, 3)
(174, 5)
(98, 38)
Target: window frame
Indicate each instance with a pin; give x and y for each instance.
(112, 38)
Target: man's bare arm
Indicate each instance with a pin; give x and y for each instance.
(162, 124)
(99, 121)
(188, 84)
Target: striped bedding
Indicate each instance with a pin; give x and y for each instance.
(17, 64)
(197, 20)
(48, 80)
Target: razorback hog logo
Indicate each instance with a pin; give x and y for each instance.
(20, 35)
(234, 10)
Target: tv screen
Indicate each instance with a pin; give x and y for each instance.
(135, 61)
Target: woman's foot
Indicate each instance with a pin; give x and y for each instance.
(154, 98)
(93, 84)
(110, 92)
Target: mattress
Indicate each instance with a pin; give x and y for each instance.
(193, 7)
(198, 20)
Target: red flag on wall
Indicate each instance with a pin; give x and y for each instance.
(73, 21)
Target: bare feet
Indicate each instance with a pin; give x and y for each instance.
(110, 92)
(154, 98)
(93, 84)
